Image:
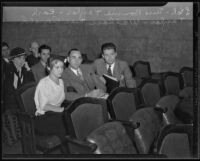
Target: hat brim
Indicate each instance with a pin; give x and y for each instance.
(11, 57)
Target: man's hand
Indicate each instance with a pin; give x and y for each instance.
(102, 79)
(27, 66)
(95, 93)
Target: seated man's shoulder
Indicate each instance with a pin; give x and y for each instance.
(122, 62)
(35, 66)
(65, 73)
(87, 67)
(99, 61)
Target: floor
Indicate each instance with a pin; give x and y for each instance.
(9, 151)
(13, 149)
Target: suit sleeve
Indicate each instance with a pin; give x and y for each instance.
(129, 80)
(70, 93)
(98, 83)
(35, 75)
(30, 76)
(95, 78)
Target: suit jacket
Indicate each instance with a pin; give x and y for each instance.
(32, 60)
(90, 82)
(9, 90)
(38, 71)
(121, 71)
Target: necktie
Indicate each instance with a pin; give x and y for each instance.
(19, 83)
(79, 74)
(109, 71)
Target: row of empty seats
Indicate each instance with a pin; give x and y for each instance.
(122, 124)
(142, 70)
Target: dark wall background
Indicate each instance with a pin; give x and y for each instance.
(167, 45)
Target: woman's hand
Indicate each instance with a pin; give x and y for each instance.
(61, 109)
(102, 79)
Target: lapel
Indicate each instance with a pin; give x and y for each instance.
(73, 76)
(87, 78)
(117, 71)
(103, 67)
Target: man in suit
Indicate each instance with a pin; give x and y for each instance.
(33, 58)
(80, 78)
(40, 70)
(114, 67)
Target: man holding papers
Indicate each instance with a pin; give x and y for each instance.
(110, 66)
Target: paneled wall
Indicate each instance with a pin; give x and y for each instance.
(167, 45)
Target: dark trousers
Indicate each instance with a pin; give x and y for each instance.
(51, 123)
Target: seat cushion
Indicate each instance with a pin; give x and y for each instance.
(111, 138)
(47, 142)
(176, 145)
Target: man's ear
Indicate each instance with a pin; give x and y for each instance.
(102, 56)
(68, 59)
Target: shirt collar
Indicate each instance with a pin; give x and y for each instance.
(112, 65)
(74, 70)
(43, 63)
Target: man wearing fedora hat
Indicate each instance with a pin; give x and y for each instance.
(17, 75)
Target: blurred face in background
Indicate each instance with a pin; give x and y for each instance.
(45, 55)
(109, 56)
(34, 48)
(57, 68)
(75, 59)
(5, 51)
(19, 61)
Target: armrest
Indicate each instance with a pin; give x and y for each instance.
(85, 145)
(141, 106)
(71, 89)
(130, 124)
(66, 103)
(25, 115)
(161, 110)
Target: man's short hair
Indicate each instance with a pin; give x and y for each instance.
(109, 45)
(4, 44)
(74, 49)
(44, 46)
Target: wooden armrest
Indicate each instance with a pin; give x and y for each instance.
(162, 110)
(71, 89)
(141, 106)
(25, 114)
(130, 124)
(87, 146)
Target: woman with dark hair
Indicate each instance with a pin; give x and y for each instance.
(49, 96)
(17, 74)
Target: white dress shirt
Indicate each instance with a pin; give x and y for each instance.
(76, 71)
(48, 92)
(112, 67)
